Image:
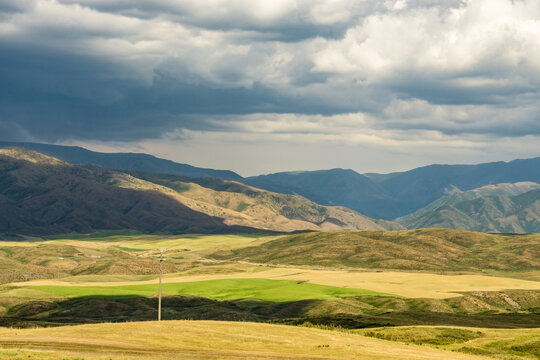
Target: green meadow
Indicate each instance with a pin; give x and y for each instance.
(223, 289)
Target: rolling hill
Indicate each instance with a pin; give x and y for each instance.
(498, 213)
(126, 161)
(426, 249)
(204, 340)
(43, 195)
(263, 209)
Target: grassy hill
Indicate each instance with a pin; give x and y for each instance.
(428, 249)
(112, 277)
(43, 195)
(498, 213)
(263, 209)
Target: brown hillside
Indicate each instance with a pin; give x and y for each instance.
(426, 249)
(43, 195)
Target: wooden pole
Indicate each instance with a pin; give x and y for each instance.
(160, 274)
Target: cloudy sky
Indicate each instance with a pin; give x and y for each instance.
(259, 86)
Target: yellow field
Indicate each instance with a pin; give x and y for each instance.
(156, 242)
(407, 284)
(192, 250)
(204, 340)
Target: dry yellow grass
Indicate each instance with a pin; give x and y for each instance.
(189, 251)
(204, 340)
(407, 284)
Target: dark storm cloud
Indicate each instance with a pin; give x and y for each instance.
(129, 70)
(294, 24)
(52, 96)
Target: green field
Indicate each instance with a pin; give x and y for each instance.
(224, 289)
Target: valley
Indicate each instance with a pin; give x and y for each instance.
(79, 249)
(269, 180)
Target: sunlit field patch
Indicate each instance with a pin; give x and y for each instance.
(224, 289)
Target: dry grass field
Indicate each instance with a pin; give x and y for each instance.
(226, 340)
(406, 284)
(110, 259)
(434, 250)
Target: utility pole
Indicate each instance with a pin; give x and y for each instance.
(161, 259)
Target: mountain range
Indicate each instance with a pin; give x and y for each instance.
(40, 195)
(125, 161)
(453, 195)
(473, 197)
(496, 213)
(389, 196)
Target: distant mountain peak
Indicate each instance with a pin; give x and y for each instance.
(126, 161)
(19, 153)
(452, 190)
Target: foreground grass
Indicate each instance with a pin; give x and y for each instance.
(495, 343)
(225, 289)
(204, 340)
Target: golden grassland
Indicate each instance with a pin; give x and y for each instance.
(223, 340)
(406, 284)
(130, 260)
(433, 250)
(111, 254)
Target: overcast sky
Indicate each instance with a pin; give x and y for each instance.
(259, 86)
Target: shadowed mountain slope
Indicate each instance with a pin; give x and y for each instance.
(43, 195)
(332, 187)
(389, 196)
(385, 196)
(498, 213)
(126, 161)
(241, 204)
(417, 188)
